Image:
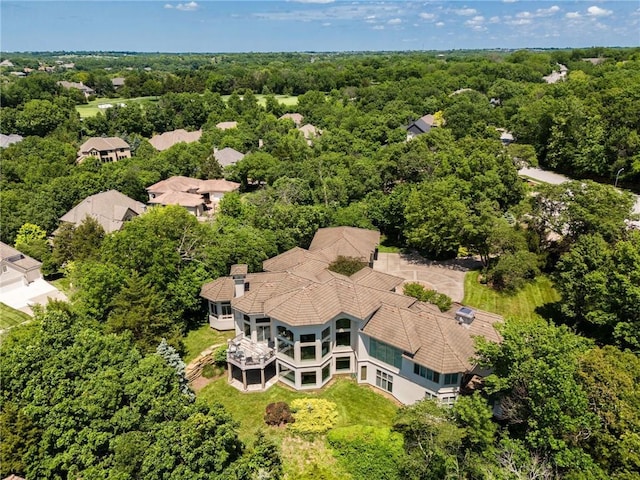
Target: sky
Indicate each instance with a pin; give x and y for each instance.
(313, 25)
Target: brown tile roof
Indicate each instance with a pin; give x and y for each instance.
(228, 156)
(110, 209)
(176, 184)
(218, 185)
(346, 241)
(443, 344)
(239, 269)
(102, 144)
(220, 290)
(17, 259)
(296, 117)
(289, 259)
(169, 139)
(309, 131)
(263, 286)
(178, 198)
(226, 125)
(369, 277)
(13, 477)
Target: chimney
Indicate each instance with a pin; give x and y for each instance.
(239, 275)
(465, 316)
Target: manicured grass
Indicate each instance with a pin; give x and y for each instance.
(522, 304)
(356, 404)
(287, 100)
(63, 284)
(91, 109)
(10, 317)
(200, 339)
(386, 246)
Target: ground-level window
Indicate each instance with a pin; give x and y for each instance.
(287, 374)
(384, 381)
(326, 371)
(430, 395)
(385, 353)
(308, 378)
(448, 401)
(363, 373)
(343, 363)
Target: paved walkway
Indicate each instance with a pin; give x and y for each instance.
(37, 292)
(446, 277)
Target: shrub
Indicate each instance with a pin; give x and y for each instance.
(513, 270)
(440, 300)
(220, 356)
(208, 371)
(278, 414)
(347, 265)
(313, 415)
(368, 452)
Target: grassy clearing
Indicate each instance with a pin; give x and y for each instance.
(91, 109)
(200, 339)
(286, 100)
(356, 404)
(63, 284)
(522, 304)
(10, 317)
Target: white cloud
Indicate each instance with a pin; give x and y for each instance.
(543, 12)
(394, 21)
(168, 5)
(573, 15)
(379, 27)
(509, 1)
(313, 1)
(440, 24)
(519, 22)
(427, 16)
(495, 19)
(595, 11)
(326, 24)
(524, 15)
(187, 7)
(466, 12)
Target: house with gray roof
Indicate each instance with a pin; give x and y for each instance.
(111, 209)
(227, 156)
(301, 324)
(86, 90)
(6, 140)
(420, 126)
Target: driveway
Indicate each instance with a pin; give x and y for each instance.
(446, 277)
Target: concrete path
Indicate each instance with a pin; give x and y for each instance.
(446, 277)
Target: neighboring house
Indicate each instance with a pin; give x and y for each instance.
(420, 126)
(117, 82)
(18, 74)
(107, 149)
(301, 324)
(295, 117)
(21, 282)
(110, 209)
(506, 137)
(310, 132)
(227, 156)
(13, 477)
(6, 63)
(6, 140)
(197, 196)
(194, 203)
(214, 190)
(78, 86)
(169, 139)
(557, 75)
(226, 125)
(595, 60)
(18, 269)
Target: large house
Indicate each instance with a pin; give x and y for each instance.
(107, 149)
(167, 140)
(87, 91)
(300, 323)
(110, 209)
(197, 196)
(227, 156)
(422, 125)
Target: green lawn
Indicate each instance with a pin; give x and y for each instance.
(200, 339)
(91, 109)
(63, 284)
(521, 305)
(287, 100)
(356, 404)
(10, 317)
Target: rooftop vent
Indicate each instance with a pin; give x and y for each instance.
(465, 315)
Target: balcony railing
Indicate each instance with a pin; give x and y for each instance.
(243, 352)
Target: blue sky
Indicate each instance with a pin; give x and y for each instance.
(314, 25)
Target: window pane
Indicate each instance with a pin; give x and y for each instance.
(308, 378)
(343, 339)
(308, 338)
(308, 353)
(343, 323)
(326, 332)
(287, 374)
(343, 363)
(226, 309)
(264, 333)
(326, 348)
(326, 371)
(285, 333)
(263, 320)
(285, 348)
(247, 329)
